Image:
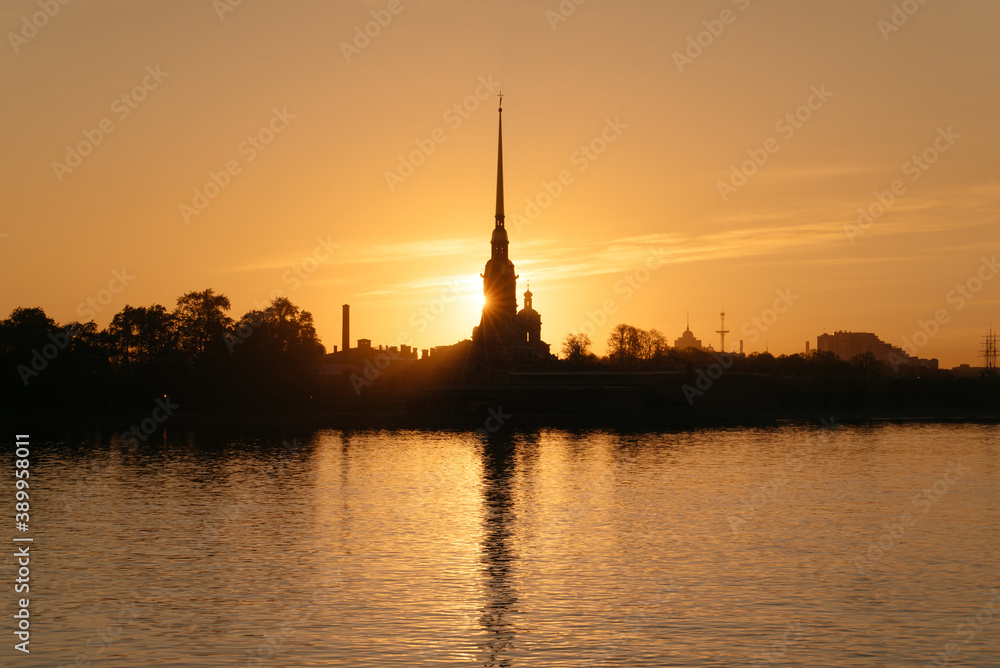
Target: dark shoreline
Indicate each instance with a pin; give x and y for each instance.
(658, 420)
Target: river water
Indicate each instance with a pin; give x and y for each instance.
(792, 545)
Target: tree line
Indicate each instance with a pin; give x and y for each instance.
(635, 348)
(202, 359)
(195, 353)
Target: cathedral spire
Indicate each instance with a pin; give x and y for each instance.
(499, 214)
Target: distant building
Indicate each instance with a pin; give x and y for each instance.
(848, 344)
(366, 350)
(688, 340)
(335, 363)
(530, 320)
(967, 371)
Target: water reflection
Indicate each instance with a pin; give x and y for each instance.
(438, 548)
(498, 553)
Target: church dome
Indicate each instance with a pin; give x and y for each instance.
(528, 311)
(499, 235)
(529, 314)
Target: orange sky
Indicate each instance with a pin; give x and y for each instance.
(309, 118)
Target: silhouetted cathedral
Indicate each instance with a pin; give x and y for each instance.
(503, 331)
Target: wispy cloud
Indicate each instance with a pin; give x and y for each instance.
(785, 236)
(426, 285)
(406, 250)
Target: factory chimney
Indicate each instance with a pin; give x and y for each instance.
(346, 340)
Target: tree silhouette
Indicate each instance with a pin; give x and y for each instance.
(276, 353)
(143, 335)
(24, 330)
(201, 323)
(48, 365)
(866, 365)
(281, 329)
(826, 364)
(761, 363)
(626, 343)
(656, 345)
(576, 348)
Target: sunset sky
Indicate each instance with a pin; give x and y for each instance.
(313, 118)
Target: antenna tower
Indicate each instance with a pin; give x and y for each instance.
(989, 352)
(722, 333)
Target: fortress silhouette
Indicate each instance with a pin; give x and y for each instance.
(504, 332)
